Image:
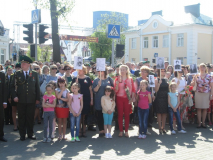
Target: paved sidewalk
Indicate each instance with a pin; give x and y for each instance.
(196, 144)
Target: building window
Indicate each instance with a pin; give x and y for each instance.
(180, 38)
(133, 60)
(2, 56)
(133, 43)
(145, 42)
(165, 41)
(155, 41)
(180, 58)
(155, 24)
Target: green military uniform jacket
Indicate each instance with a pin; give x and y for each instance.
(3, 93)
(27, 90)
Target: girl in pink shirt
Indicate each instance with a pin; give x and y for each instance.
(143, 98)
(48, 104)
(75, 105)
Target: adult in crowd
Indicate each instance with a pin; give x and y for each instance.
(8, 110)
(99, 85)
(166, 64)
(132, 68)
(14, 104)
(124, 99)
(161, 100)
(40, 64)
(1, 67)
(110, 70)
(3, 104)
(137, 72)
(171, 70)
(45, 71)
(67, 75)
(181, 85)
(26, 95)
(204, 83)
(52, 76)
(47, 64)
(61, 71)
(86, 89)
(41, 78)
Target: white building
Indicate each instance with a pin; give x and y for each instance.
(4, 44)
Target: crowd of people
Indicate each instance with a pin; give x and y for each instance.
(59, 95)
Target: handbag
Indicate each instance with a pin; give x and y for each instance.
(43, 87)
(190, 101)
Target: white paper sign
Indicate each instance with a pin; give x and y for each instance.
(160, 63)
(193, 68)
(177, 65)
(100, 64)
(151, 81)
(78, 62)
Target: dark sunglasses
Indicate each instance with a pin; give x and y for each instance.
(67, 69)
(54, 68)
(36, 69)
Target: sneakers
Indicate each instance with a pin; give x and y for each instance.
(109, 135)
(49, 140)
(173, 132)
(77, 139)
(181, 131)
(148, 133)
(73, 140)
(44, 140)
(106, 135)
(143, 136)
(140, 136)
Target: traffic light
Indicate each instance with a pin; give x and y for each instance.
(29, 33)
(32, 50)
(42, 34)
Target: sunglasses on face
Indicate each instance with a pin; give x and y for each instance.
(107, 91)
(67, 69)
(36, 69)
(54, 68)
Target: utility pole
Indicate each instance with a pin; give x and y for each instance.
(36, 56)
(112, 61)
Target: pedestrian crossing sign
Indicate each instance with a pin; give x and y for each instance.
(113, 31)
(36, 16)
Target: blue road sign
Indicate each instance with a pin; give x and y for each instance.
(113, 31)
(155, 55)
(36, 16)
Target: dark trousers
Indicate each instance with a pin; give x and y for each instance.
(8, 114)
(26, 112)
(100, 120)
(1, 121)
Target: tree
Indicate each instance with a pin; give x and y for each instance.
(38, 53)
(46, 53)
(58, 9)
(113, 18)
(102, 49)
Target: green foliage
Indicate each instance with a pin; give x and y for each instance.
(46, 53)
(38, 53)
(102, 49)
(113, 18)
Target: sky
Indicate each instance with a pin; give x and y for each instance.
(82, 14)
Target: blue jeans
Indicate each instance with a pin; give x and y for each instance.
(177, 115)
(143, 115)
(74, 121)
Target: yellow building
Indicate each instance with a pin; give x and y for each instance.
(188, 38)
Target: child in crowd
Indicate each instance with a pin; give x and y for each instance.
(174, 101)
(62, 109)
(54, 85)
(75, 105)
(144, 99)
(108, 106)
(48, 104)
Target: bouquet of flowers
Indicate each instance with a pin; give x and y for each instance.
(128, 93)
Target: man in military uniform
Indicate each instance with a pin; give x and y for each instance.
(3, 104)
(160, 63)
(177, 65)
(25, 91)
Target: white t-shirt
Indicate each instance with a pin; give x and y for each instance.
(182, 84)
